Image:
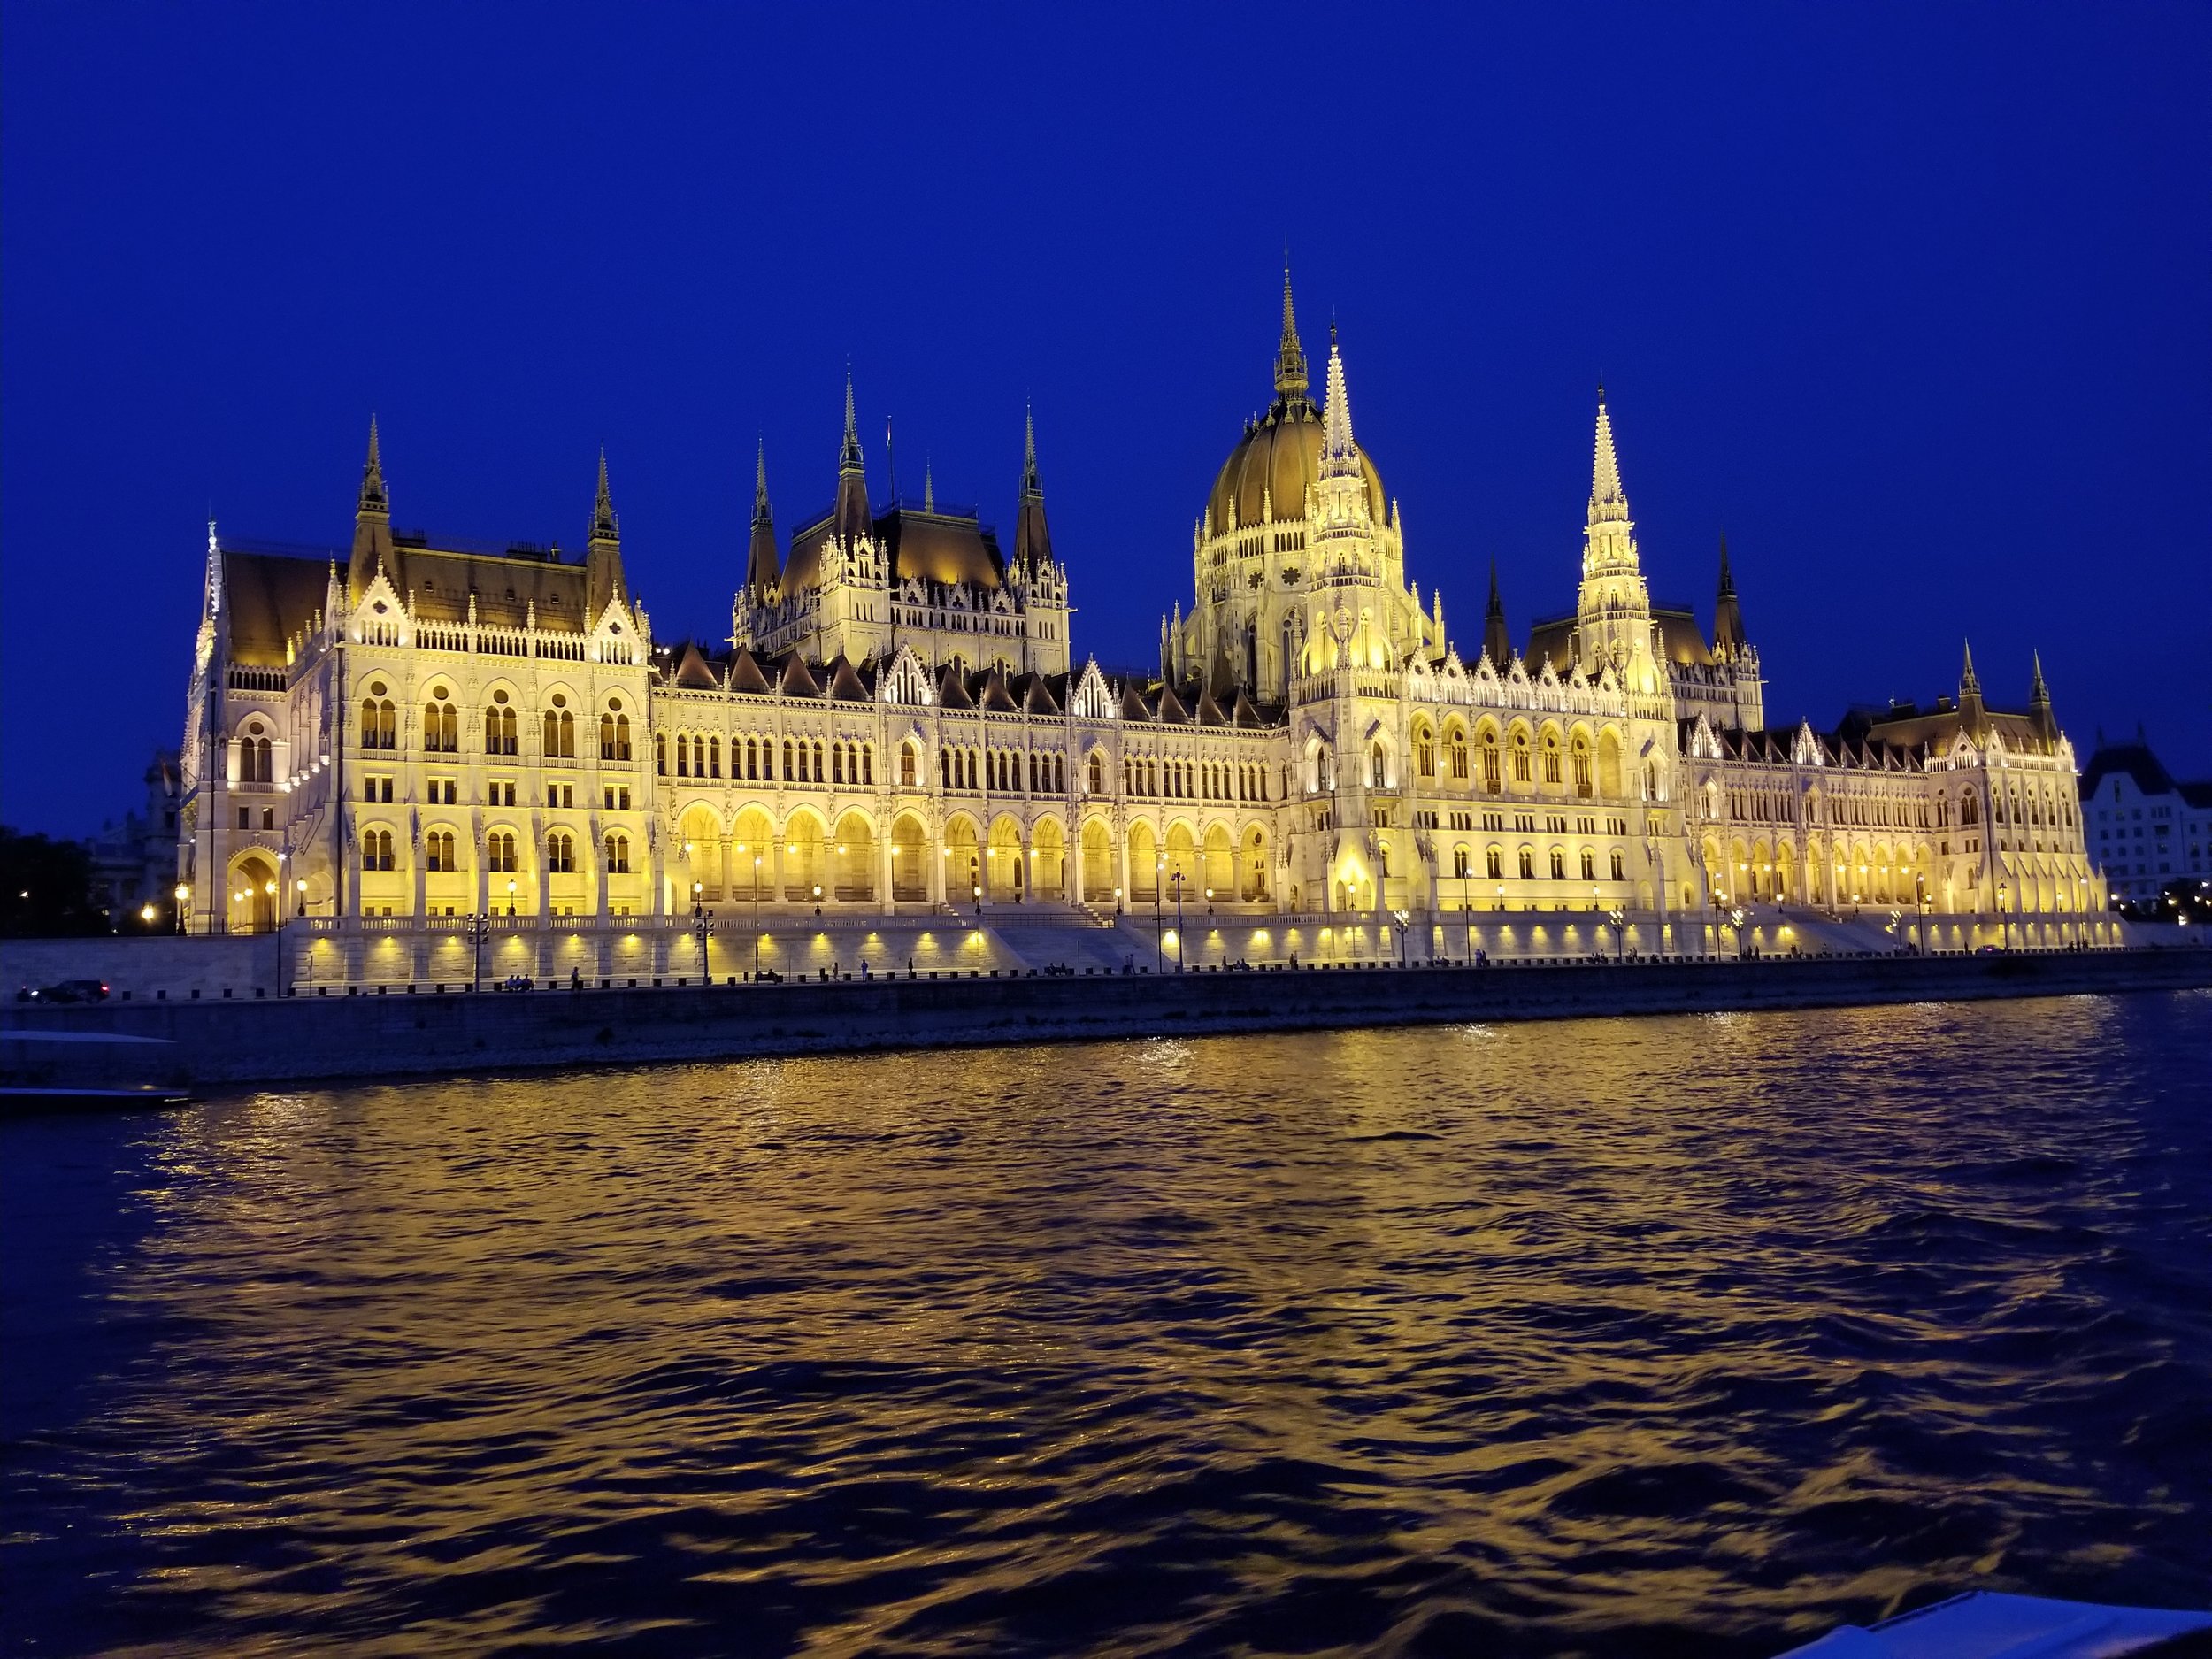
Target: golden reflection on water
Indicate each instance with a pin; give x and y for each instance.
(1588, 1336)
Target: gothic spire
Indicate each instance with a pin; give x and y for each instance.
(603, 524)
(1728, 637)
(854, 518)
(1608, 502)
(1290, 357)
(1970, 682)
(1497, 643)
(2039, 692)
(1032, 540)
(1339, 455)
(763, 569)
(372, 497)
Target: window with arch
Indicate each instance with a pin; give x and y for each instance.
(1558, 866)
(1528, 864)
(714, 758)
(787, 755)
(499, 728)
(1495, 860)
(1585, 785)
(1456, 754)
(560, 731)
(1378, 768)
(1969, 810)
(440, 723)
(1551, 758)
(376, 850)
(560, 853)
(256, 762)
(1589, 866)
(438, 851)
(1522, 759)
(910, 765)
(1620, 873)
(499, 853)
(618, 855)
(867, 765)
(660, 753)
(683, 756)
(1425, 751)
(614, 732)
(1462, 866)
(380, 725)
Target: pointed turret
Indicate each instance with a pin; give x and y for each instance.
(929, 486)
(1033, 540)
(1497, 643)
(1613, 612)
(1290, 357)
(603, 582)
(373, 548)
(763, 568)
(1339, 455)
(1609, 501)
(2040, 706)
(1728, 638)
(1971, 709)
(854, 519)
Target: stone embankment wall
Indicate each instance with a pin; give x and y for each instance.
(368, 1033)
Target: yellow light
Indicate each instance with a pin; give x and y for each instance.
(268, 887)
(146, 913)
(183, 893)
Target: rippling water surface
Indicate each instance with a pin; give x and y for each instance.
(1610, 1337)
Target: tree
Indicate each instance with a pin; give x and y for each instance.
(46, 888)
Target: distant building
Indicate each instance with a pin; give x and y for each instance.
(2145, 829)
(393, 738)
(134, 862)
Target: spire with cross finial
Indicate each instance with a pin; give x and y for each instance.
(1497, 643)
(854, 517)
(1613, 612)
(1970, 682)
(373, 497)
(763, 568)
(1033, 540)
(1290, 357)
(373, 548)
(603, 524)
(1728, 637)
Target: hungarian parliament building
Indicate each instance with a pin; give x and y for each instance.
(412, 735)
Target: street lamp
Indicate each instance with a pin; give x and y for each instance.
(817, 898)
(1117, 901)
(1159, 885)
(702, 929)
(756, 918)
(1182, 950)
(1619, 917)
(510, 897)
(1735, 920)
(2004, 922)
(183, 897)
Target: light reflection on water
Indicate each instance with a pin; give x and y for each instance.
(1621, 1337)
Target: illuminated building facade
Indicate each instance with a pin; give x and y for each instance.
(409, 735)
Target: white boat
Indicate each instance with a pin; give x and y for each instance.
(1984, 1625)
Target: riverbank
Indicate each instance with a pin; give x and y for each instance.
(389, 1032)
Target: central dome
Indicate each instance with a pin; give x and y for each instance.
(1279, 455)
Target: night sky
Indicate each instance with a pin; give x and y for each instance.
(1916, 302)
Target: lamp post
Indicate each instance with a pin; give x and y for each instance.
(1619, 917)
(701, 928)
(184, 897)
(480, 924)
(1735, 920)
(1182, 950)
(1159, 885)
(1117, 902)
(2004, 922)
(276, 907)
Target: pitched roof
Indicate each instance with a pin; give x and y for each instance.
(745, 673)
(844, 682)
(951, 692)
(2136, 761)
(796, 681)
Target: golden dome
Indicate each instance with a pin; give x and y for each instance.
(1278, 458)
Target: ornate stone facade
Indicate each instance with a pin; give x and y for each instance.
(411, 733)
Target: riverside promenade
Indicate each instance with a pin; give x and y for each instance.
(388, 1032)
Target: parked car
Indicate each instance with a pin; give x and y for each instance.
(67, 991)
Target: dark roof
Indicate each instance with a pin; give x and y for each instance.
(272, 597)
(951, 545)
(1681, 640)
(2137, 761)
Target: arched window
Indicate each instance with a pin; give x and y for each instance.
(1521, 759)
(1619, 873)
(1970, 809)
(621, 751)
(618, 855)
(560, 732)
(910, 767)
(660, 753)
(1558, 864)
(376, 850)
(1584, 784)
(1589, 866)
(438, 851)
(867, 765)
(1496, 862)
(1455, 753)
(379, 727)
(1551, 758)
(1425, 751)
(683, 756)
(817, 761)
(837, 762)
(499, 728)
(499, 853)
(787, 772)
(560, 853)
(714, 758)
(1462, 866)
(1378, 767)
(1528, 864)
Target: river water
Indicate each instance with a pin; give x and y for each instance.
(1612, 1337)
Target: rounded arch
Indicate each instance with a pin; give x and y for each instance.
(1252, 865)
(806, 855)
(909, 859)
(1098, 861)
(962, 857)
(1048, 858)
(1005, 879)
(251, 890)
(1180, 853)
(1145, 861)
(1217, 872)
(699, 839)
(1609, 763)
(853, 857)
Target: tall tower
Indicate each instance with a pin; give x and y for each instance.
(1613, 612)
(763, 568)
(373, 548)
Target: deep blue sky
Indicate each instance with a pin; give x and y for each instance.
(1916, 302)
